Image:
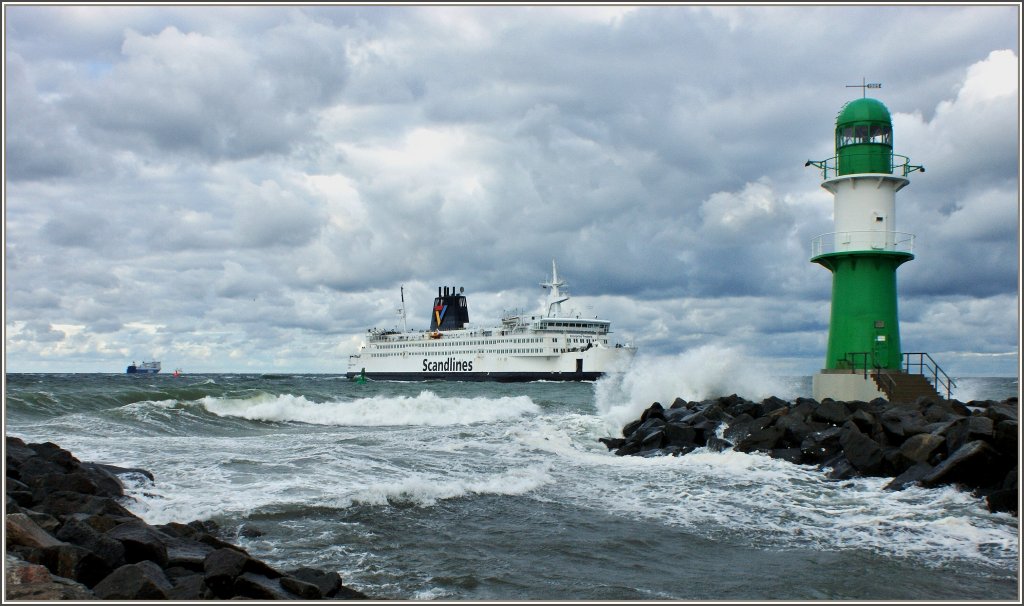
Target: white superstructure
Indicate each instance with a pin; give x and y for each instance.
(552, 345)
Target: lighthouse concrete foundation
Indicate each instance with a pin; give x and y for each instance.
(845, 386)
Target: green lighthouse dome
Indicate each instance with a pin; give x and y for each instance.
(864, 138)
(864, 110)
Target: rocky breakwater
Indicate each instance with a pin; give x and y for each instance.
(929, 443)
(69, 537)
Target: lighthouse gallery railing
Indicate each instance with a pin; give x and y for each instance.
(846, 241)
(898, 165)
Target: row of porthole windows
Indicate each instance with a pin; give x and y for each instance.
(438, 354)
(468, 344)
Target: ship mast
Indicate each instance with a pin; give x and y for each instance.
(401, 312)
(556, 299)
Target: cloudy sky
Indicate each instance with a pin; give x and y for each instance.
(247, 188)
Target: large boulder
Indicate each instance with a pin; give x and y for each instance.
(763, 440)
(34, 582)
(922, 448)
(971, 465)
(79, 532)
(21, 530)
(139, 581)
(863, 453)
(141, 542)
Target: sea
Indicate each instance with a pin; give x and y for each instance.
(441, 491)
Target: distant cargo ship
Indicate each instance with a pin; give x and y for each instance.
(551, 345)
(146, 368)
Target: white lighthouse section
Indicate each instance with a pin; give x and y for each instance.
(864, 215)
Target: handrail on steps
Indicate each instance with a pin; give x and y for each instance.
(939, 378)
(924, 362)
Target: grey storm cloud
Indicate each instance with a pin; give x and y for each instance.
(237, 188)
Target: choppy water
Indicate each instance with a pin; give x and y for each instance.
(468, 491)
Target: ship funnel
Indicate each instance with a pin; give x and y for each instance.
(450, 311)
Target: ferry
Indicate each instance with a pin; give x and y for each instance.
(552, 345)
(146, 368)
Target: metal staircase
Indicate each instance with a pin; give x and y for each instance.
(902, 388)
(920, 376)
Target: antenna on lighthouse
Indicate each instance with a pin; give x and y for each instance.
(865, 85)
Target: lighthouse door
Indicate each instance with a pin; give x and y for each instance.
(880, 347)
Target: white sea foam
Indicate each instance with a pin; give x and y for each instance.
(424, 409)
(428, 489)
(697, 374)
(775, 504)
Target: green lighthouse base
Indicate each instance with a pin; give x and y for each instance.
(845, 386)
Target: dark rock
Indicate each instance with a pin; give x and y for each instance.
(106, 483)
(629, 428)
(678, 403)
(793, 455)
(863, 453)
(913, 475)
(769, 405)
(1001, 412)
(803, 407)
(347, 593)
(328, 583)
(141, 542)
(968, 429)
(1004, 501)
(81, 533)
(21, 530)
(187, 554)
(653, 439)
(922, 448)
(33, 582)
(864, 420)
(189, 587)
(23, 498)
(736, 408)
(795, 427)
(680, 435)
(612, 443)
(970, 465)
(221, 568)
(17, 452)
(139, 581)
(654, 411)
(44, 520)
(114, 470)
(75, 562)
(820, 446)
(63, 502)
(902, 422)
(257, 587)
(762, 440)
(832, 412)
(840, 468)
(52, 453)
(1004, 438)
(305, 591)
(742, 425)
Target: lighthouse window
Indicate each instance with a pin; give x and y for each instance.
(881, 134)
(844, 136)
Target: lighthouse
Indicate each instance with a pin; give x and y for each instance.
(864, 360)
